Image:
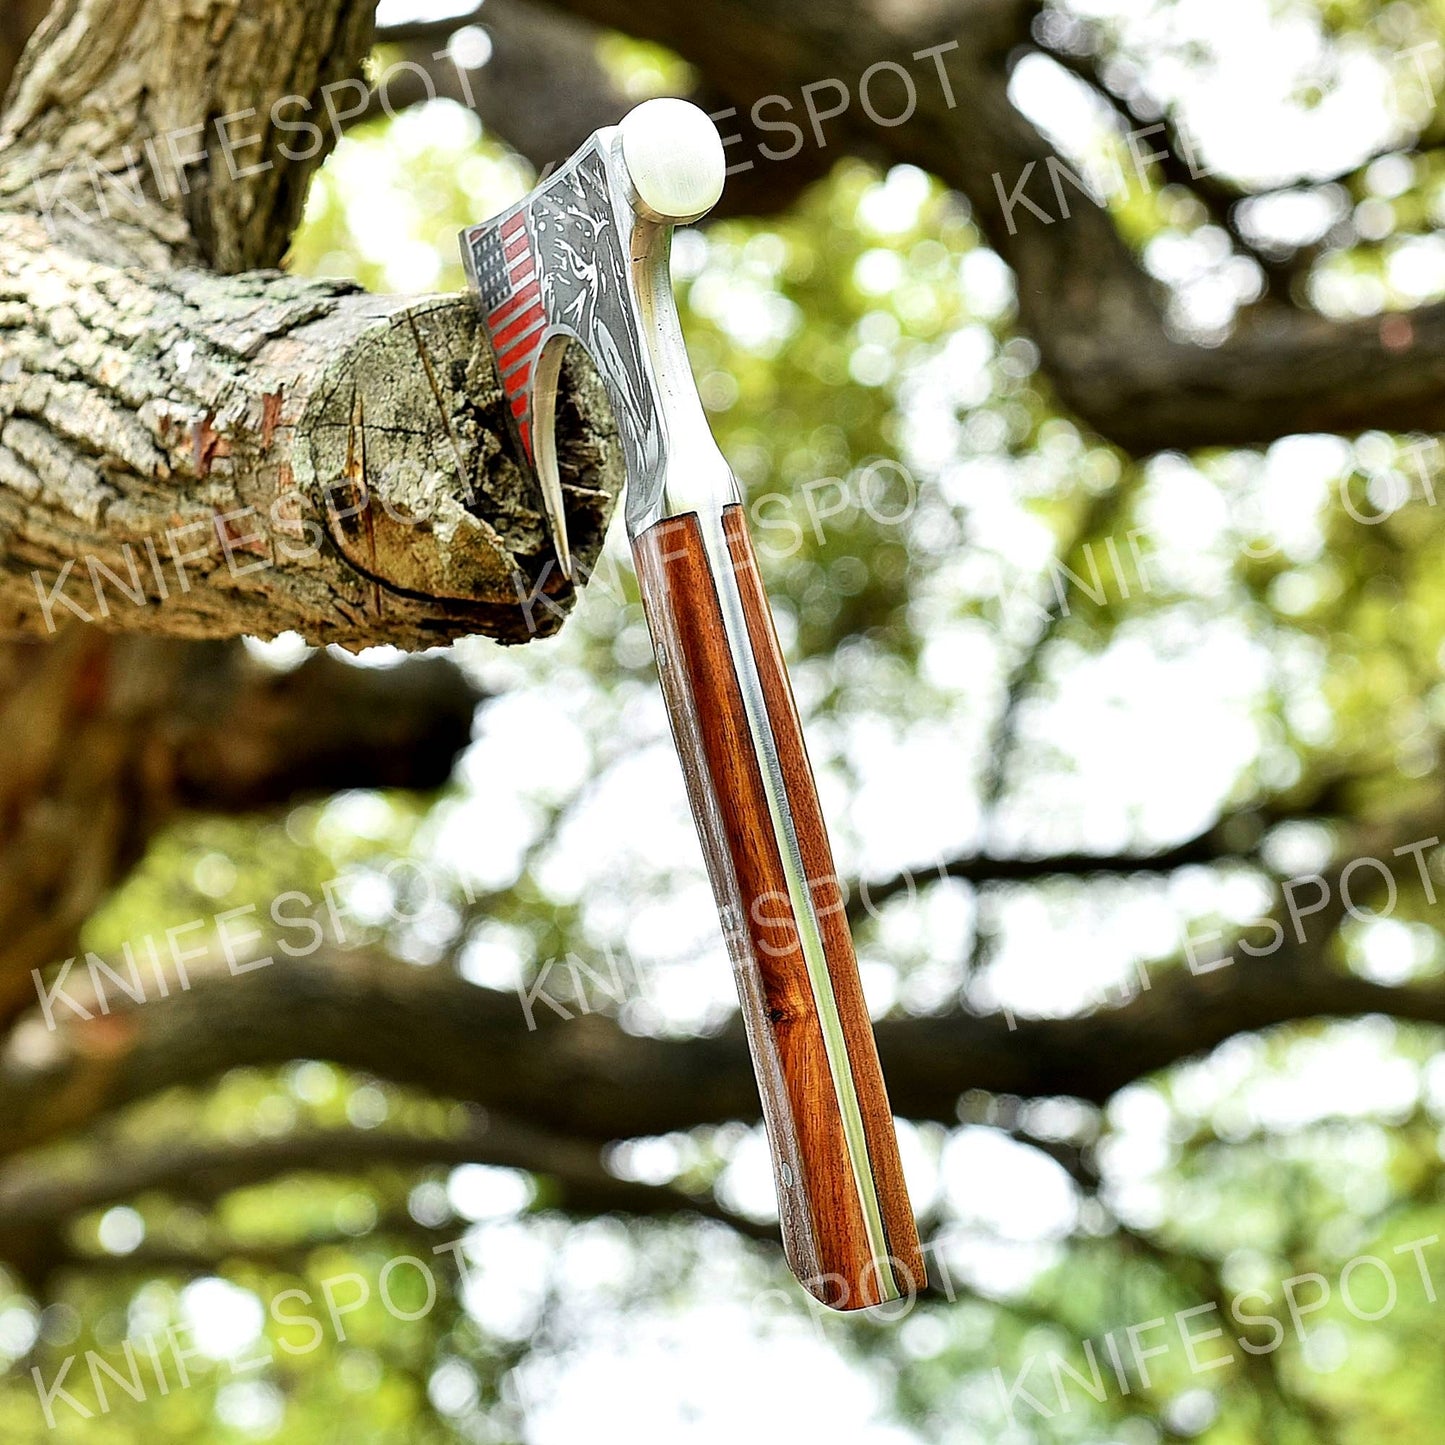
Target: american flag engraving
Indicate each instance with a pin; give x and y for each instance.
(504, 267)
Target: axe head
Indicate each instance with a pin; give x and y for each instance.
(584, 258)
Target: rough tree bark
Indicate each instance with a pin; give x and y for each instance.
(206, 456)
(333, 462)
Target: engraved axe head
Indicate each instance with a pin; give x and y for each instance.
(584, 258)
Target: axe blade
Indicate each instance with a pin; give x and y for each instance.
(505, 270)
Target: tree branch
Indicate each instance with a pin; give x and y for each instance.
(1235, 837)
(108, 738)
(40, 1192)
(208, 456)
(432, 32)
(107, 78)
(1099, 320)
(544, 89)
(587, 1078)
(977, 868)
(247, 737)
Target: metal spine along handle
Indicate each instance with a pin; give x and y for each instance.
(847, 1224)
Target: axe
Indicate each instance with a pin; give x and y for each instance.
(584, 259)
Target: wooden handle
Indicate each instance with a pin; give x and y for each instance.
(847, 1225)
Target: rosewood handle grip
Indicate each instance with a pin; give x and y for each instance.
(847, 1225)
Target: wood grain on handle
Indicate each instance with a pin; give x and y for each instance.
(821, 1205)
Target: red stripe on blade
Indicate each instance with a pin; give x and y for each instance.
(513, 329)
(524, 348)
(524, 297)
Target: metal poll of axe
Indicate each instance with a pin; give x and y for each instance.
(584, 259)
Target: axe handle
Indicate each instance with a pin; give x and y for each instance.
(847, 1225)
